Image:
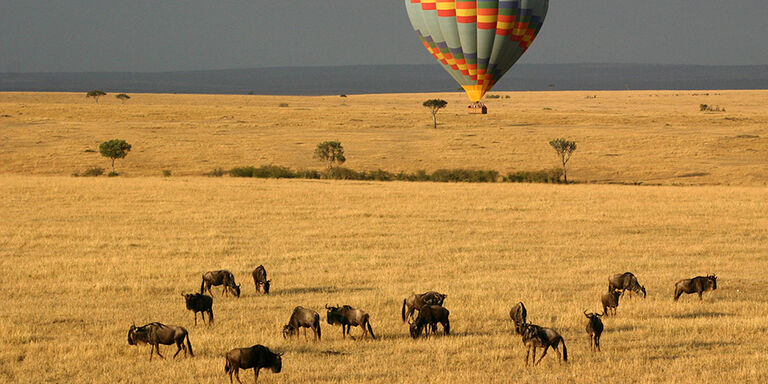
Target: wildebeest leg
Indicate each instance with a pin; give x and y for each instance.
(597, 342)
(196, 318)
(559, 355)
(256, 375)
(230, 374)
(700, 295)
(528, 353)
(180, 346)
(305, 334)
(542, 356)
(157, 348)
(237, 375)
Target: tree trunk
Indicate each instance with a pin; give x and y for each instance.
(565, 174)
(113, 165)
(434, 120)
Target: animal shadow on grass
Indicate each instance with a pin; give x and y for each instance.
(325, 289)
(697, 315)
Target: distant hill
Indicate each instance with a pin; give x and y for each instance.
(394, 79)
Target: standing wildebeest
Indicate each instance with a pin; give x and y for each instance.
(626, 281)
(535, 336)
(429, 316)
(302, 318)
(416, 301)
(221, 277)
(349, 317)
(256, 357)
(698, 284)
(155, 334)
(610, 300)
(260, 279)
(518, 313)
(594, 329)
(197, 302)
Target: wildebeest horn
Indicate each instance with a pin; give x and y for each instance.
(281, 353)
(585, 313)
(326, 306)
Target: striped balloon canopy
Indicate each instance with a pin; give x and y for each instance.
(477, 41)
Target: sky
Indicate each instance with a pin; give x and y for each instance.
(151, 36)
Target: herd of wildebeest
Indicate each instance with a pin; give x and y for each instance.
(423, 312)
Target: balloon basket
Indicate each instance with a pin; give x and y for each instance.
(477, 108)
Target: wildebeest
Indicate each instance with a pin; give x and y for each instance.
(610, 300)
(349, 317)
(535, 336)
(302, 318)
(698, 284)
(155, 334)
(221, 277)
(416, 301)
(256, 357)
(594, 329)
(518, 313)
(429, 316)
(197, 302)
(260, 279)
(626, 282)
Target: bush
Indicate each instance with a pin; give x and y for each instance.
(241, 172)
(283, 105)
(544, 176)
(92, 172)
(166, 172)
(113, 174)
(308, 174)
(493, 96)
(464, 175)
(217, 172)
(272, 172)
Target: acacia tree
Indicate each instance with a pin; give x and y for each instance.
(330, 152)
(435, 105)
(114, 149)
(95, 94)
(565, 149)
(123, 97)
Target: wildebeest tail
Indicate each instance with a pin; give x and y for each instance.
(565, 350)
(210, 315)
(189, 346)
(317, 325)
(402, 312)
(202, 284)
(371, 330)
(227, 367)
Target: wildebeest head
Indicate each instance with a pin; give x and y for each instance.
(136, 335)
(334, 315)
(288, 330)
(642, 289)
(414, 329)
(130, 334)
(591, 315)
(266, 286)
(713, 280)
(236, 288)
(278, 366)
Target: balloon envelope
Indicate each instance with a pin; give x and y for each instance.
(477, 41)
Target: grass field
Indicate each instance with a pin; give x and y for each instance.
(650, 137)
(83, 258)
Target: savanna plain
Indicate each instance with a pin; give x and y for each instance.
(662, 189)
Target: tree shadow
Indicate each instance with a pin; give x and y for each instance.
(697, 315)
(309, 290)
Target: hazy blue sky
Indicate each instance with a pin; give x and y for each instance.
(139, 35)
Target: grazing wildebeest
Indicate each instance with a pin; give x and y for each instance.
(349, 317)
(626, 282)
(698, 284)
(518, 313)
(302, 318)
(416, 301)
(256, 357)
(429, 316)
(535, 336)
(610, 300)
(155, 334)
(260, 279)
(594, 329)
(221, 277)
(197, 302)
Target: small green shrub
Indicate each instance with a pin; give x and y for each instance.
(464, 175)
(166, 172)
(241, 172)
(113, 174)
(91, 172)
(552, 176)
(216, 172)
(272, 172)
(283, 105)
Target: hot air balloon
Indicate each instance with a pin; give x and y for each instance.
(477, 41)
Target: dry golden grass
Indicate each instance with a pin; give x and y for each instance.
(651, 137)
(83, 258)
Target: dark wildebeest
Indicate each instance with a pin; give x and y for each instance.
(535, 336)
(302, 318)
(519, 314)
(429, 316)
(349, 317)
(221, 277)
(416, 301)
(626, 282)
(594, 329)
(260, 279)
(256, 357)
(610, 300)
(155, 334)
(197, 302)
(698, 284)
